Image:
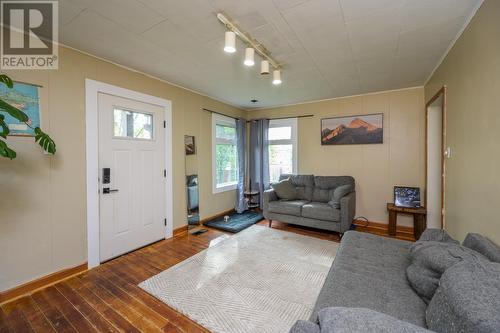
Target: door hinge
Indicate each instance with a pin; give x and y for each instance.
(164, 124)
(165, 222)
(165, 173)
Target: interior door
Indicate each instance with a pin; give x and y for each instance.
(132, 182)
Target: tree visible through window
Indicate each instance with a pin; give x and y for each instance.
(282, 148)
(225, 154)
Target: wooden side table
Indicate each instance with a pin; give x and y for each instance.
(252, 199)
(419, 218)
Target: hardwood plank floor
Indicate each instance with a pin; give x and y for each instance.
(107, 299)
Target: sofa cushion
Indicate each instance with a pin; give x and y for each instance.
(437, 235)
(483, 245)
(304, 185)
(360, 320)
(285, 190)
(430, 259)
(339, 193)
(369, 271)
(320, 211)
(287, 207)
(325, 185)
(467, 300)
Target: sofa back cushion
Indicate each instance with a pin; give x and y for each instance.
(430, 259)
(467, 299)
(483, 245)
(303, 185)
(325, 185)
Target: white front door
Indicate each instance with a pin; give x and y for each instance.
(132, 195)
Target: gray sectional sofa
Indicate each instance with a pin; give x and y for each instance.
(368, 288)
(313, 206)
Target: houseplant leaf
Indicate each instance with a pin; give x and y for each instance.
(5, 151)
(6, 80)
(45, 141)
(14, 112)
(3, 127)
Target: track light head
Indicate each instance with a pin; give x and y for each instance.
(230, 42)
(276, 77)
(264, 67)
(249, 57)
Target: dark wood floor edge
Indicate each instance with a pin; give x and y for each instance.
(44, 281)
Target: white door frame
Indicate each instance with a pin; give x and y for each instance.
(92, 89)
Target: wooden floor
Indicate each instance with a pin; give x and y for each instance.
(107, 299)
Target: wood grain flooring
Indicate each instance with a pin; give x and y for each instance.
(107, 299)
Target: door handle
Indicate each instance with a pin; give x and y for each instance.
(106, 190)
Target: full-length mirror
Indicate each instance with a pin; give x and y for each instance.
(192, 192)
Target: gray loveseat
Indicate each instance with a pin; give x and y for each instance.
(367, 289)
(312, 206)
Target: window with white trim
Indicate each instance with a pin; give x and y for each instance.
(224, 154)
(282, 147)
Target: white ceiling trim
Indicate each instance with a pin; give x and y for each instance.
(152, 77)
(333, 98)
(460, 32)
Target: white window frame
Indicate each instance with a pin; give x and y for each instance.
(225, 121)
(288, 122)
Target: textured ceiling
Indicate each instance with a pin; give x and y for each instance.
(329, 48)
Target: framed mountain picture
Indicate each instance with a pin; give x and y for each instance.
(353, 130)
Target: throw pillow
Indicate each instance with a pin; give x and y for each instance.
(285, 190)
(430, 259)
(339, 193)
(467, 300)
(483, 245)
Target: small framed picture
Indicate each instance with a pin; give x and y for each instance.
(189, 144)
(406, 196)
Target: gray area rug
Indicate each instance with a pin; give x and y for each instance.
(260, 280)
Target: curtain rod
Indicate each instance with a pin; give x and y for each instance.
(225, 115)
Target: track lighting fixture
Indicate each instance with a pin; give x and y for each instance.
(276, 77)
(249, 57)
(230, 42)
(264, 67)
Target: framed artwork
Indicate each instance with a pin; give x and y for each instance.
(24, 97)
(353, 130)
(189, 144)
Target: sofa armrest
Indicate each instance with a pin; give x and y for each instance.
(269, 195)
(347, 211)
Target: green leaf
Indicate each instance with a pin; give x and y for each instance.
(4, 127)
(14, 112)
(45, 141)
(5, 151)
(6, 80)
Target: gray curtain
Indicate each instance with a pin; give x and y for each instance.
(241, 143)
(259, 156)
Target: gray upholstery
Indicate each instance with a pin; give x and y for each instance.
(304, 185)
(438, 235)
(285, 190)
(430, 259)
(339, 193)
(288, 207)
(304, 326)
(315, 193)
(320, 211)
(483, 245)
(360, 320)
(369, 271)
(467, 300)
